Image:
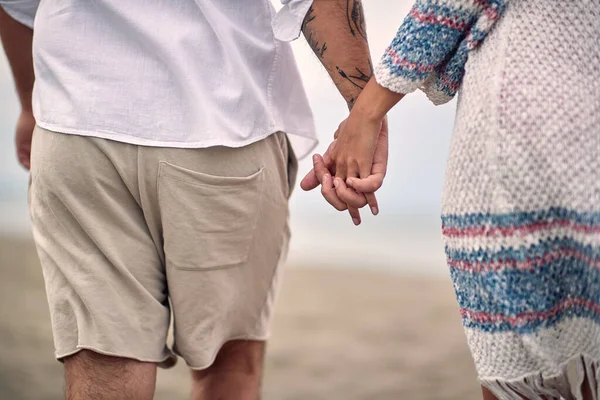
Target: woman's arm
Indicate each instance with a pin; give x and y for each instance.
(429, 52)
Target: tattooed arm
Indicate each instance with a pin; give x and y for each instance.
(336, 31)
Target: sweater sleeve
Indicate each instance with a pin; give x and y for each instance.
(432, 46)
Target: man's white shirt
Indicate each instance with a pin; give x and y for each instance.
(172, 73)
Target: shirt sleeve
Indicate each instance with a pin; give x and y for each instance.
(432, 46)
(22, 11)
(287, 24)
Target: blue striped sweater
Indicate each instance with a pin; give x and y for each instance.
(432, 46)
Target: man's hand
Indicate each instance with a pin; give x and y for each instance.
(24, 133)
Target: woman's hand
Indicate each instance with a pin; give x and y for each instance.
(358, 157)
(355, 190)
(353, 152)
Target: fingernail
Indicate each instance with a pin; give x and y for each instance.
(350, 182)
(374, 210)
(356, 221)
(326, 177)
(315, 158)
(336, 183)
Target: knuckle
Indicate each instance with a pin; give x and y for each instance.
(360, 203)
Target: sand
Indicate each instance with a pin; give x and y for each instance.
(337, 334)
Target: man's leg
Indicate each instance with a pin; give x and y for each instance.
(223, 214)
(104, 276)
(93, 376)
(235, 374)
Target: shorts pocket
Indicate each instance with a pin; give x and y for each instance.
(208, 221)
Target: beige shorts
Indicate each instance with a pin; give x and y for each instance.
(129, 234)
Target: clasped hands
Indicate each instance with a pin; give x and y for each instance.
(354, 166)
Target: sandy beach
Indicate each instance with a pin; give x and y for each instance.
(337, 334)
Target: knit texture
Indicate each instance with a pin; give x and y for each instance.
(433, 44)
(521, 204)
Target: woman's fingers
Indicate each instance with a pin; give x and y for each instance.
(370, 184)
(355, 199)
(349, 196)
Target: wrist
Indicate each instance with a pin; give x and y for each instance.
(25, 99)
(376, 101)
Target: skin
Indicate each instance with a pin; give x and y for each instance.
(343, 50)
(21, 64)
(343, 193)
(359, 155)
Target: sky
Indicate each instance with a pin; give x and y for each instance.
(406, 234)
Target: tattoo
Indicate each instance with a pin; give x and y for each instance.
(356, 77)
(348, 78)
(356, 18)
(351, 103)
(310, 16)
(313, 42)
(360, 77)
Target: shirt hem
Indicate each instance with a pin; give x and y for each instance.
(134, 140)
(18, 16)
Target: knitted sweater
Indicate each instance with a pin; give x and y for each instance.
(432, 46)
(521, 199)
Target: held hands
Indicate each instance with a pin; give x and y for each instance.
(354, 165)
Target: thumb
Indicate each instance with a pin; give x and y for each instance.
(370, 184)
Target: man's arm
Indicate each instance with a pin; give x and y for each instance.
(16, 40)
(336, 31)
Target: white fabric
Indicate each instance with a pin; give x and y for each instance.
(173, 73)
(21, 10)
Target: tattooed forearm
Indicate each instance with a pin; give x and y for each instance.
(349, 78)
(356, 18)
(318, 48)
(357, 78)
(336, 32)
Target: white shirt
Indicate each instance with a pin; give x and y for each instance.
(173, 73)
